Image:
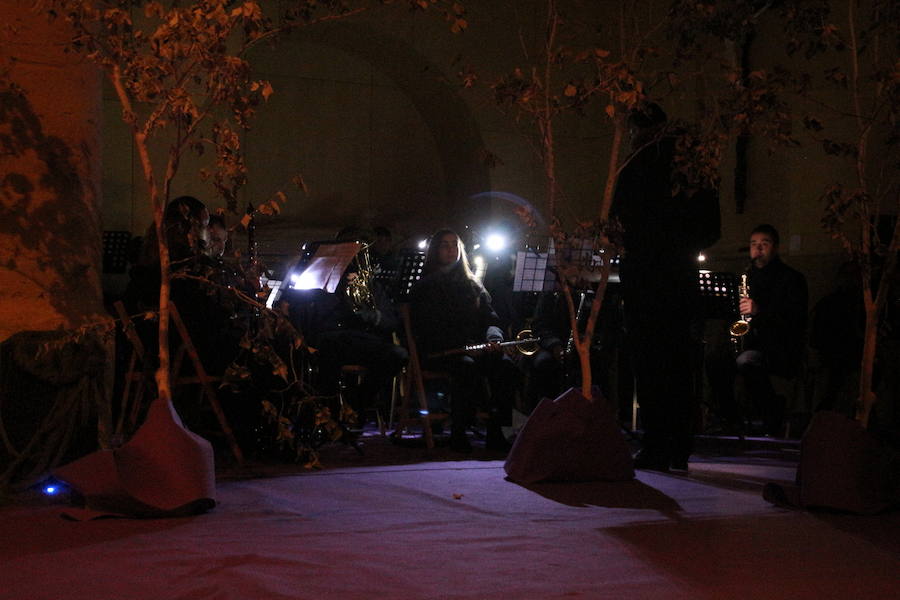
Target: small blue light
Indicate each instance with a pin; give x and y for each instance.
(51, 490)
(423, 412)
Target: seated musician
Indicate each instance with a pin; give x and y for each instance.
(383, 254)
(450, 309)
(546, 368)
(554, 367)
(346, 332)
(775, 308)
(197, 285)
(185, 222)
(777, 303)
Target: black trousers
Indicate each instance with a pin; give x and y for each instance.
(545, 378)
(382, 358)
(754, 368)
(467, 377)
(659, 320)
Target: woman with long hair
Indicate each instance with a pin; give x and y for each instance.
(450, 309)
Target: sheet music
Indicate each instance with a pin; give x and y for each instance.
(326, 267)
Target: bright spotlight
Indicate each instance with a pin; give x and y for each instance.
(701, 257)
(423, 244)
(303, 281)
(495, 242)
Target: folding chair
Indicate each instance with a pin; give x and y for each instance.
(415, 386)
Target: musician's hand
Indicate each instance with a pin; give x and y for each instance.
(748, 307)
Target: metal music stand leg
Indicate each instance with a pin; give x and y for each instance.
(415, 372)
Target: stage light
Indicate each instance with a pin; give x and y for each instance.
(476, 247)
(303, 281)
(701, 257)
(423, 411)
(423, 244)
(495, 242)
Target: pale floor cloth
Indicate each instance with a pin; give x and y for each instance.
(459, 530)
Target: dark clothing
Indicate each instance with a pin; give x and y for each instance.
(774, 345)
(212, 314)
(662, 236)
(776, 341)
(343, 335)
(778, 330)
(549, 376)
(837, 332)
(545, 368)
(753, 366)
(450, 311)
(662, 233)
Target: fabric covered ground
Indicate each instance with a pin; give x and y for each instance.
(458, 529)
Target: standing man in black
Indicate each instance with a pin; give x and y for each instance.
(777, 306)
(663, 234)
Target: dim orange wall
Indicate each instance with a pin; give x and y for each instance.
(50, 243)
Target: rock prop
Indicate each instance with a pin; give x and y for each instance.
(842, 467)
(164, 470)
(570, 439)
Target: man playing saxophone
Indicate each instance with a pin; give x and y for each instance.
(776, 307)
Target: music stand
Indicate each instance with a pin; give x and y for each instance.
(532, 272)
(719, 296)
(388, 278)
(536, 271)
(412, 263)
(115, 251)
(322, 268)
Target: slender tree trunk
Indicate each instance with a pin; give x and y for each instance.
(163, 380)
(612, 174)
(584, 348)
(866, 394)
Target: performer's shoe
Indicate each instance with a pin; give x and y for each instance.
(651, 461)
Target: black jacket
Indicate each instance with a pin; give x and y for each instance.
(779, 328)
(663, 232)
(450, 311)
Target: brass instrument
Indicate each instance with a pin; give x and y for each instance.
(359, 288)
(525, 343)
(741, 327)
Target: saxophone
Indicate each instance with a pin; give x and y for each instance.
(741, 327)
